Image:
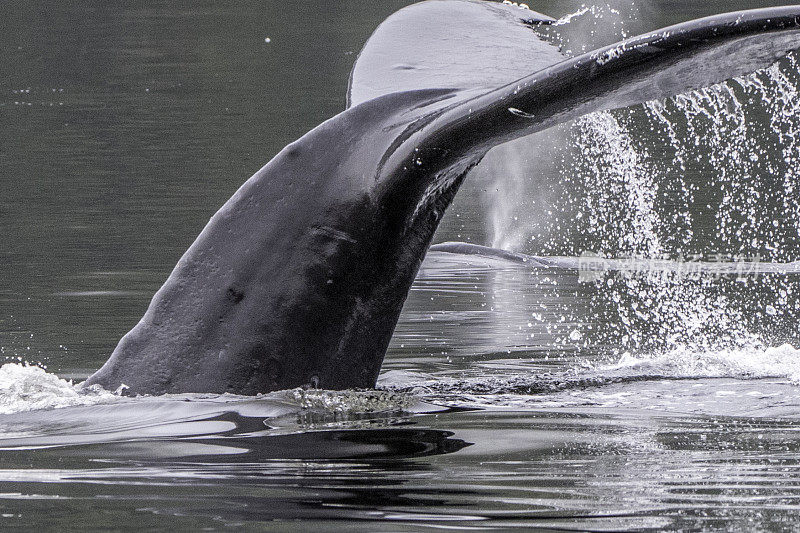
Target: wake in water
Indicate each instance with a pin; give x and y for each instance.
(499, 378)
(500, 384)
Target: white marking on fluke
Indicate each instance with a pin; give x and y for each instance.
(520, 113)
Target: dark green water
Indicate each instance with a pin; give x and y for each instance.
(512, 397)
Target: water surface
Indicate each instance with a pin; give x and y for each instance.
(512, 396)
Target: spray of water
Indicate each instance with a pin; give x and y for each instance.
(709, 175)
(28, 388)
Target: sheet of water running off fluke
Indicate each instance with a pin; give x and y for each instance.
(620, 352)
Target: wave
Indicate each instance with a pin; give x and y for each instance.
(25, 388)
(782, 362)
(743, 363)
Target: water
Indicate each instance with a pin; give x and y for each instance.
(660, 393)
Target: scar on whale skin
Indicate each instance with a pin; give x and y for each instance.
(300, 277)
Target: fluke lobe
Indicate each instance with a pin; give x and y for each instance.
(300, 277)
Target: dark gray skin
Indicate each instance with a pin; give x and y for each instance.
(300, 278)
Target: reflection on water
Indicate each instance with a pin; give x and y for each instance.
(563, 469)
(513, 396)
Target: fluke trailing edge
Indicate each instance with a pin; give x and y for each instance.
(300, 277)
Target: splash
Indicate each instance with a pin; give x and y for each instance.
(592, 26)
(30, 388)
(773, 362)
(710, 175)
(517, 208)
(621, 191)
(499, 386)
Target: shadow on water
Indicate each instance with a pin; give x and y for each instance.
(389, 444)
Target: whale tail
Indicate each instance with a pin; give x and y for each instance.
(300, 277)
(508, 83)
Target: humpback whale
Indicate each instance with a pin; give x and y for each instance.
(299, 279)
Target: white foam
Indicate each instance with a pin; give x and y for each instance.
(351, 401)
(29, 388)
(740, 363)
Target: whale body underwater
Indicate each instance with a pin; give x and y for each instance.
(299, 279)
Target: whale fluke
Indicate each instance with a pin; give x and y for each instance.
(447, 44)
(300, 277)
